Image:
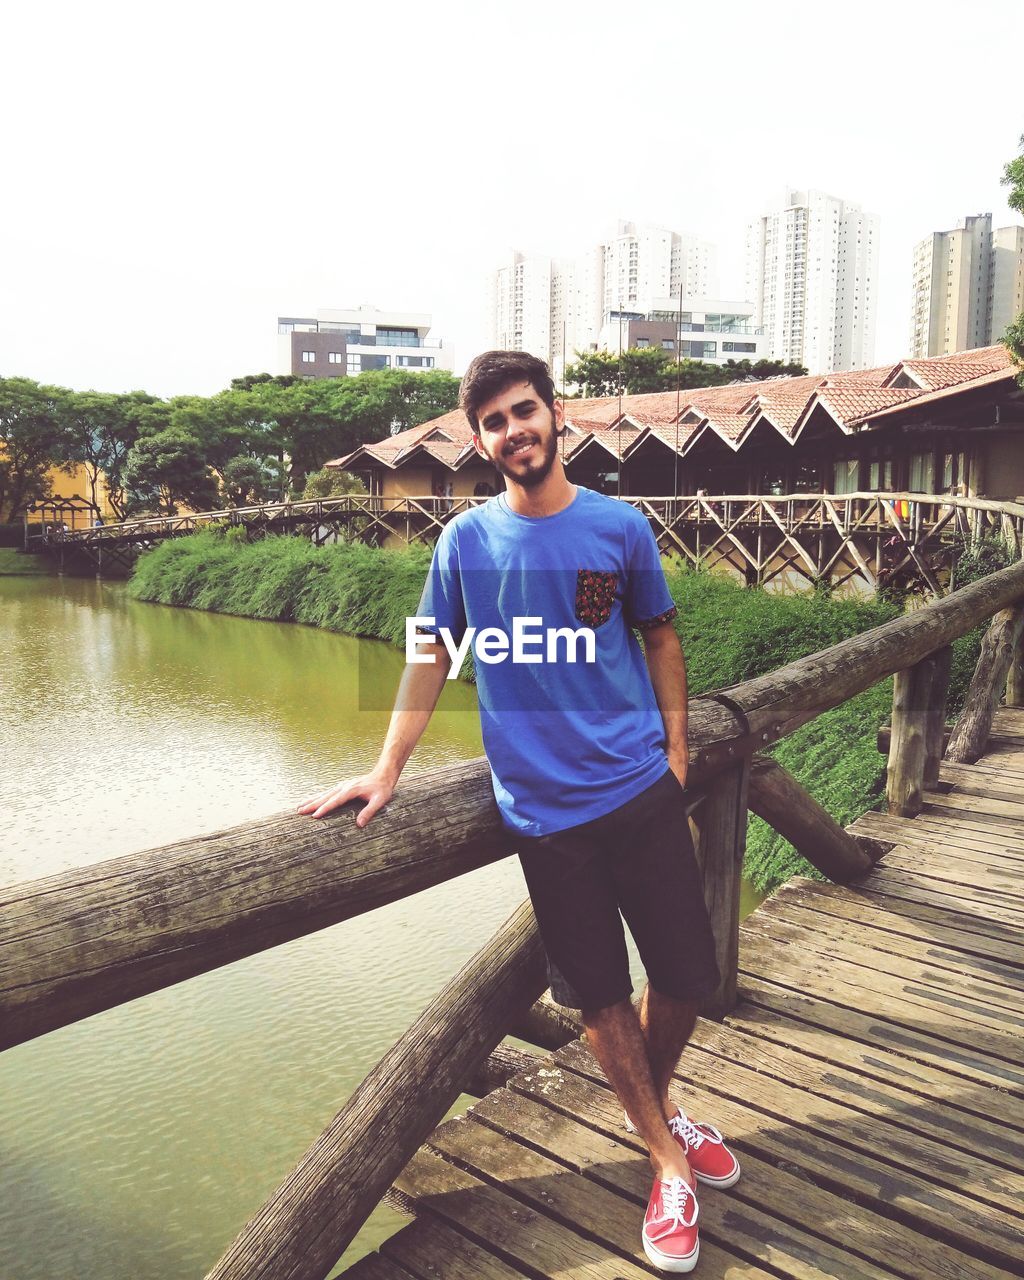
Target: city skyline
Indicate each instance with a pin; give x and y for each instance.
(154, 233)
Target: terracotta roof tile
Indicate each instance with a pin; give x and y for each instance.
(938, 372)
(852, 396)
(848, 403)
(927, 397)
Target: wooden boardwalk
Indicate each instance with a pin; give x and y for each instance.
(871, 1079)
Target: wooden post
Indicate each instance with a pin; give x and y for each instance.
(970, 735)
(308, 1222)
(911, 696)
(777, 797)
(721, 824)
(935, 725)
(546, 1024)
(1015, 676)
(502, 1064)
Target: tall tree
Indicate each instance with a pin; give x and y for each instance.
(311, 422)
(140, 413)
(640, 369)
(250, 380)
(168, 468)
(1013, 177)
(33, 440)
(101, 429)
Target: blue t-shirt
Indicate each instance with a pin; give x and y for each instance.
(566, 741)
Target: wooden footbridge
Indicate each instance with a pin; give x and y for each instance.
(873, 539)
(864, 1053)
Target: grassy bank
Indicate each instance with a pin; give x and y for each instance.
(15, 564)
(729, 634)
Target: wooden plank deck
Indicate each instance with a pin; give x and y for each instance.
(871, 1080)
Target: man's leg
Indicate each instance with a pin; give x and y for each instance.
(617, 1042)
(666, 1024)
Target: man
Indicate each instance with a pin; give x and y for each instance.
(588, 761)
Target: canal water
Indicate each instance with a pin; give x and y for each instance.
(134, 1145)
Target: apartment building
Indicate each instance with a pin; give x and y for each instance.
(521, 304)
(968, 286)
(555, 307)
(812, 273)
(343, 343)
(701, 329)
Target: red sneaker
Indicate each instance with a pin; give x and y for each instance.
(706, 1153)
(670, 1227)
(708, 1156)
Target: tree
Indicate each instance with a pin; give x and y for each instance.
(744, 371)
(1013, 177)
(250, 380)
(331, 482)
(169, 467)
(310, 422)
(101, 430)
(392, 400)
(140, 413)
(33, 440)
(640, 369)
(246, 480)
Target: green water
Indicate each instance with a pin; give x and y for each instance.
(137, 1143)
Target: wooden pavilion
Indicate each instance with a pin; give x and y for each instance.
(948, 424)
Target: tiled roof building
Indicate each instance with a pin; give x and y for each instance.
(932, 425)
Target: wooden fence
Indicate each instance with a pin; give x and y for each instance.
(907, 540)
(98, 936)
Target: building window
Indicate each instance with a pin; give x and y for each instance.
(308, 357)
(334, 357)
(641, 343)
(922, 475)
(397, 338)
(739, 346)
(668, 344)
(845, 473)
(881, 475)
(354, 364)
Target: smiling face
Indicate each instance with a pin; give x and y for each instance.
(518, 433)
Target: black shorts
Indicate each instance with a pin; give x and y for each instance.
(637, 860)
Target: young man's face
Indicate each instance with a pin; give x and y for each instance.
(518, 433)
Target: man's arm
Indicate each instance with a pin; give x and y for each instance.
(417, 696)
(667, 668)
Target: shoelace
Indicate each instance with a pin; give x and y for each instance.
(684, 1128)
(675, 1195)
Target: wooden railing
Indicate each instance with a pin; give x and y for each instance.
(86, 940)
(900, 539)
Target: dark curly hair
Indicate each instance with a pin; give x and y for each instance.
(492, 371)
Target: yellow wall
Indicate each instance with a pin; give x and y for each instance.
(418, 482)
(408, 482)
(63, 484)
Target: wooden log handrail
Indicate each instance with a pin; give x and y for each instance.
(998, 648)
(308, 1222)
(776, 703)
(85, 940)
(89, 939)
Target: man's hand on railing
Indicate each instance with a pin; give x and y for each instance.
(375, 787)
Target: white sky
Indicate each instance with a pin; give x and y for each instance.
(175, 177)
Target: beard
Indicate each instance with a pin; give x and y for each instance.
(537, 472)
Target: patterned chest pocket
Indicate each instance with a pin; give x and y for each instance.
(595, 595)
